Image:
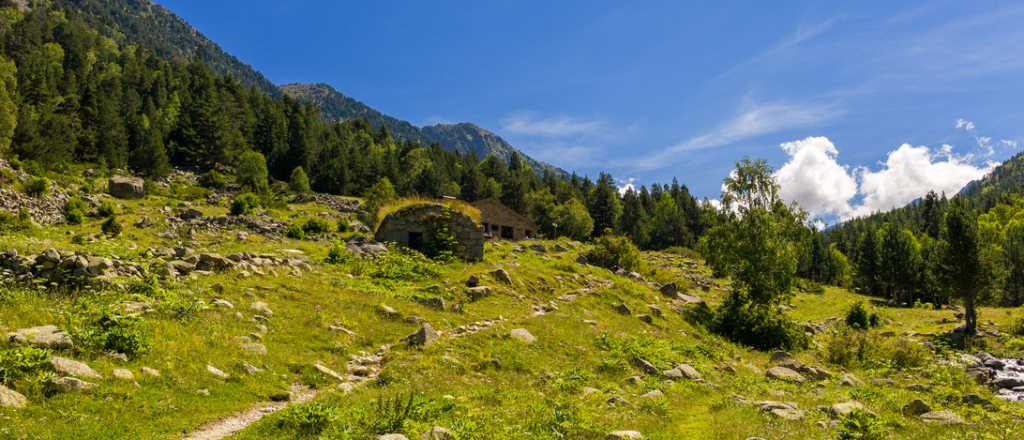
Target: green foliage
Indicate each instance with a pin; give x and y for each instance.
(376, 197)
(245, 203)
(849, 347)
(299, 181)
(112, 332)
(74, 211)
(390, 413)
(37, 187)
(614, 251)
(213, 179)
(861, 425)
(309, 419)
(251, 171)
(111, 227)
(860, 317)
(19, 222)
(295, 232)
(963, 266)
(338, 254)
(19, 362)
(403, 265)
(106, 209)
(317, 225)
(440, 244)
(762, 326)
(571, 219)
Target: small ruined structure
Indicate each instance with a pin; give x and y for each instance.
(502, 222)
(425, 226)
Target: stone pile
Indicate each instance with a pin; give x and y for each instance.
(1005, 375)
(63, 266)
(184, 262)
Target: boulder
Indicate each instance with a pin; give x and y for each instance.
(916, 407)
(262, 308)
(653, 394)
(151, 372)
(71, 367)
(255, 348)
(323, 369)
(670, 290)
(126, 187)
(216, 372)
(786, 411)
(502, 275)
(214, 263)
(46, 336)
(849, 380)
(784, 374)
(11, 399)
(845, 408)
(689, 372)
(473, 281)
(645, 366)
(423, 337)
(478, 292)
(123, 374)
(647, 319)
(68, 385)
(624, 435)
(942, 418)
(438, 433)
(523, 335)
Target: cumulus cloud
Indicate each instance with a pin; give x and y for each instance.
(964, 124)
(557, 126)
(626, 185)
(814, 178)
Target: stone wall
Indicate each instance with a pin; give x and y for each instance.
(404, 225)
(495, 216)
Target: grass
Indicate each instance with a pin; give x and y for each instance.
(485, 385)
(407, 202)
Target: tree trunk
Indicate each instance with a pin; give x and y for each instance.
(970, 315)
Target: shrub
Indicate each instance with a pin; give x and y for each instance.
(37, 187)
(762, 326)
(316, 225)
(310, 419)
(338, 254)
(295, 231)
(111, 227)
(252, 171)
(121, 334)
(106, 209)
(16, 363)
(858, 316)
(1017, 327)
(11, 222)
(244, 204)
(573, 220)
(74, 211)
(849, 348)
(614, 251)
(213, 179)
(299, 181)
(860, 425)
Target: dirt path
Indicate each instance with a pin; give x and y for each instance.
(361, 368)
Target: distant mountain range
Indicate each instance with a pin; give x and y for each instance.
(150, 25)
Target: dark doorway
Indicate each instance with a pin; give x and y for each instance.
(416, 240)
(507, 233)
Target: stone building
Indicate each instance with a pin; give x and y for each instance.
(501, 222)
(414, 225)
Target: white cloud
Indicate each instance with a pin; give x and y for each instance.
(964, 124)
(814, 179)
(1009, 143)
(558, 126)
(626, 185)
(752, 121)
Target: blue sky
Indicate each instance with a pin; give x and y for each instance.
(865, 96)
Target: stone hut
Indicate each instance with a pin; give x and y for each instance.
(414, 225)
(502, 222)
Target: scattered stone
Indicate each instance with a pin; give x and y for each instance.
(974, 399)
(255, 348)
(646, 366)
(623, 309)
(217, 372)
(223, 303)
(586, 391)
(921, 388)
(438, 433)
(46, 336)
(647, 319)
(388, 312)
(781, 356)
(151, 372)
(787, 411)
(689, 372)
(670, 290)
(942, 418)
(423, 337)
(479, 292)
(656, 311)
(73, 368)
(126, 187)
(624, 435)
(11, 399)
(653, 394)
(473, 281)
(392, 437)
(616, 401)
(849, 380)
(690, 299)
(785, 374)
(251, 369)
(916, 407)
(502, 275)
(845, 408)
(523, 335)
(262, 308)
(341, 329)
(203, 392)
(69, 384)
(123, 374)
(434, 302)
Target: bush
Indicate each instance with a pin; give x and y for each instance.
(860, 318)
(316, 225)
(74, 211)
(848, 347)
(213, 179)
(338, 254)
(244, 204)
(11, 222)
(16, 363)
(251, 171)
(309, 420)
(614, 251)
(37, 187)
(119, 334)
(299, 181)
(1017, 327)
(860, 425)
(295, 231)
(762, 326)
(111, 227)
(106, 210)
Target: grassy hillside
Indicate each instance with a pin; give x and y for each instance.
(590, 370)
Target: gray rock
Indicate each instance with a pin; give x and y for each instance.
(689, 372)
(223, 303)
(942, 418)
(845, 408)
(46, 336)
(262, 308)
(217, 372)
(623, 309)
(438, 433)
(523, 335)
(434, 302)
(502, 275)
(123, 374)
(68, 385)
(151, 372)
(473, 281)
(11, 399)
(646, 366)
(916, 407)
(73, 368)
(849, 380)
(784, 374)
(786, 411)
(781, 356)
(479, 292)
(624, 435)
(647, 319)
(670, 290)
(423, 337)
(392, 437)
(388, 312)
(255, 348)
(653, 394)
(126, 187)
(323, 369)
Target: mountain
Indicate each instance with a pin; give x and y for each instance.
(463, 137)
(150, 25)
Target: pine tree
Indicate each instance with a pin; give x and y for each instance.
(605, 207)
(963, 262)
